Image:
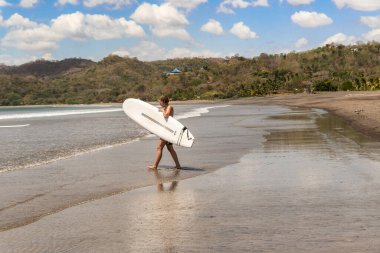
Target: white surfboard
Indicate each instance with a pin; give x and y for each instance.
(150, 118)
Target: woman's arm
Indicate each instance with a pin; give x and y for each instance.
(167, 111)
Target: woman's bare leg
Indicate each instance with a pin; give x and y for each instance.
(174, 155)
(160, 146)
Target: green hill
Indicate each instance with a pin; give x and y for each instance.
(46, 68)
(328, 68)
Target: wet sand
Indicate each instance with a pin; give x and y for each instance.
(360, 108)
(259, 179)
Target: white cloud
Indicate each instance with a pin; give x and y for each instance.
(10, 60)
(299, 2)
(164, 20)
(310, 19)
(373, 22)
(360, 5)
(27, 35)
(16, 21)
(148, 51)
(100, 27)
(227, 6)
(71, 26)
(40, 38)
(373, 35)
(47, 57)
(117, 4)
(340, 38)
(121, 53)
(28, 3)
(4, 3)
(213, 26)
(186, 4)
(302, 42)
(163, 15)
(63, 2)
(262, 3)
(188, 53)
(242, 31)
(174, 32)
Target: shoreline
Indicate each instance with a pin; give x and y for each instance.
(361, 109)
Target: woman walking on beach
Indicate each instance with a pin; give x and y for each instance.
(167, 110)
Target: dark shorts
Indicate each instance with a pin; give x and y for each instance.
(166, 142)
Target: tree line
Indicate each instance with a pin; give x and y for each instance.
(113, 79)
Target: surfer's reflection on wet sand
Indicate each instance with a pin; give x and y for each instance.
(162, 178)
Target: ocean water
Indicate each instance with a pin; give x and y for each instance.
(36, 135)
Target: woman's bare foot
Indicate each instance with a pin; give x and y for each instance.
(152, 167)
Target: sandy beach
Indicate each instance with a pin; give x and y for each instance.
(272, 174)
(360, 109)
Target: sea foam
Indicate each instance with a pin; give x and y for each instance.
(29, 115)
(197, 112)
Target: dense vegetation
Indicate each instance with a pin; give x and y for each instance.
(71, 81)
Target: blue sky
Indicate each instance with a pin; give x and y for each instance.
(161, 29)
